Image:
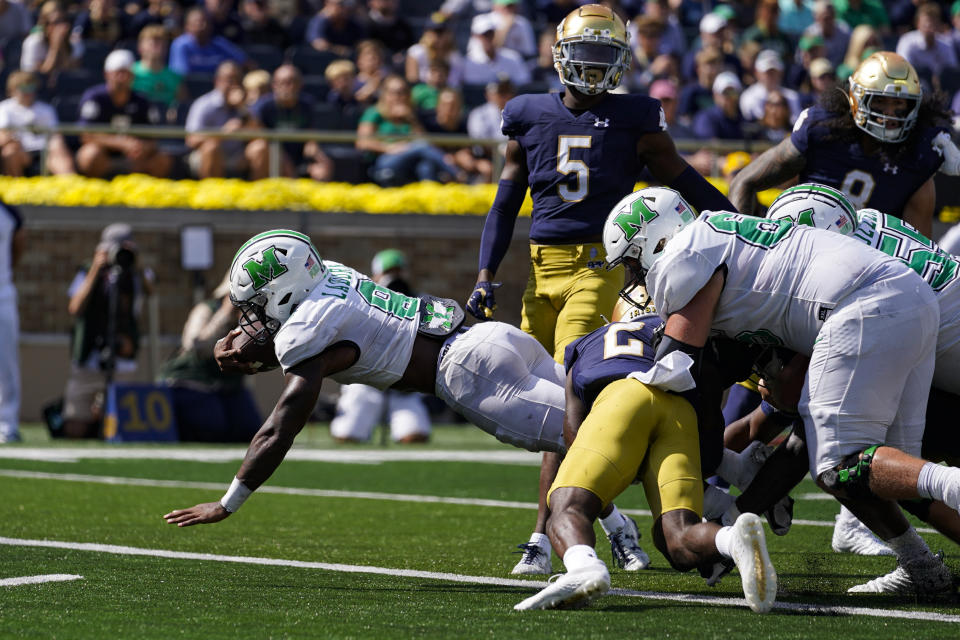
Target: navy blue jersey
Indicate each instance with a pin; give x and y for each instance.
(610, 353)
(96, 107)
(579, 165)
(870, 181)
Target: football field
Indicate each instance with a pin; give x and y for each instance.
(375, 542)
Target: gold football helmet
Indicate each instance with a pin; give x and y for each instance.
(888, 75)
(592, 49)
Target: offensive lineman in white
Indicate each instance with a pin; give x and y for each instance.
(11, 247)
(821, 295)
(327, 320)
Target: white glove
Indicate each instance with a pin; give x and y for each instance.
(670, 373)
(944, 145)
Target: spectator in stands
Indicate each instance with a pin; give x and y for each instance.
(665, 90)
(553, 11)
(385, 24)
(823, 78)
(697, 96)
(166, 13)
(649, 63)
(198, 50)
(448, 118)
(769, 71)
(925, 48)
(224, 21)
(723, 120)
(21, 149)
(223, 109)
(335, 29)
(765, 29)
(209, 405)
(114, 103)
(105, 337)
(857, 12)
(836, 35)
(511, 30)
(808, 49)
(484, 121)
(424, 94)
(714, 32)
(672, 41)
(775, 125)
(864, 40)
(341, 75)
(543, 72)
(49, 49)
(486, 62)
(103, 22)
(152, 78)
(15, 22)
(954, 34)
(371, 70)
(388, 130)
(287, 108)
(258, 27)
(795, 16)
(436, 43)
(256, 85)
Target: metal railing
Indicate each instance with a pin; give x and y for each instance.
(276, 138)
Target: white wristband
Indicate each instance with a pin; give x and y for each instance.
(235, 496)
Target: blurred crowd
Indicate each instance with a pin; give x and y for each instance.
(394, 71)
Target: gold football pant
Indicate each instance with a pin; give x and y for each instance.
(635, 429)
(568, 288)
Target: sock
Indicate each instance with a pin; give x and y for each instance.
(940, 483)
(541, 540)
(612, 522)
(730, 515)
(723, 540)
(908, 546)
(578, 556)
(715, 502)
(729, 467)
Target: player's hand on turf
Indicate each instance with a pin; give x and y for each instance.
(482, 304)
(206, 513)
(944, 145)
(229, 358)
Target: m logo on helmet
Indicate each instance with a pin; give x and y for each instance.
(263, 272)
(631, 223)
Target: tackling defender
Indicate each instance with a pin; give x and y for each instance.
(880, 142)
(824, 296)
(626, 429)
(578, 152)
(326, 319)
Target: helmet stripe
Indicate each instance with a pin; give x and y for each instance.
(822, 188)
(275, 233)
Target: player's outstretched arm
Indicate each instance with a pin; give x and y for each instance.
(271, 443)
(498, 229)
(774, 166)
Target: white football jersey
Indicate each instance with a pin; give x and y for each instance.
(349, 307)
(782, 280)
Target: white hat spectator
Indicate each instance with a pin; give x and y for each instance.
(712, 22)
(727, 80)
(820, 67)
(119, 60)
(482, 24)
(767, 60)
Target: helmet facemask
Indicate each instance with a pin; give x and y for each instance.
(591, 65)
(876, 123)
(254, 319)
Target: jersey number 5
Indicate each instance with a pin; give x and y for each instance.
(567, 165)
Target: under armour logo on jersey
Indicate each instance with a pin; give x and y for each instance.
(890, 168)
(601, 124)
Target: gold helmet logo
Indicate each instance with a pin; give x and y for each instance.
(885, 96)
(592, 50)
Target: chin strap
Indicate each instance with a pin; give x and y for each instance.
(944, 145)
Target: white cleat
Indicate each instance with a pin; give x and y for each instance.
(573, 589)
(852, 536)
(625, 547)
(749, 550)
(535, 561)
(927, 576)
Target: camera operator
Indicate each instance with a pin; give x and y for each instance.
(104, 302)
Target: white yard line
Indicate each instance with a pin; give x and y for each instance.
(813, 609)
(323, 493)
(50, 577)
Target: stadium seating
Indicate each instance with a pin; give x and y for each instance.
(309, 60)
(265, 56)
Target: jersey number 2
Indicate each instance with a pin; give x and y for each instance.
(611, 341)
(567, 165)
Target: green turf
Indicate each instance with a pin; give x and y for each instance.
(142, 597)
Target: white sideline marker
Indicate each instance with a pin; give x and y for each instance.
(50, 577)
(813, 609)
